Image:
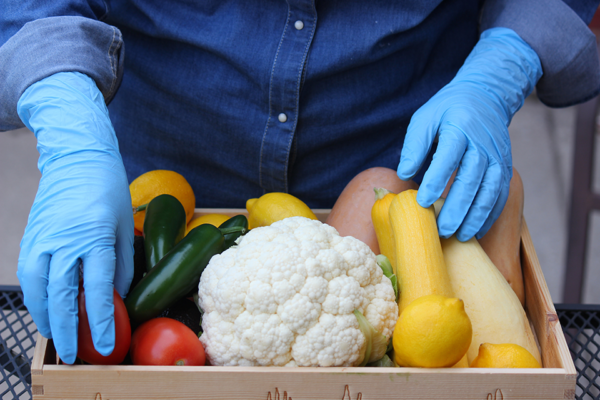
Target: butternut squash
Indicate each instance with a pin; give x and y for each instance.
(496, 313)
(351, 213)
(502, 243)
(381, 221)
(421, 269)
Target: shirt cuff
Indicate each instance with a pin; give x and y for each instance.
(58, 44)
(566, 47)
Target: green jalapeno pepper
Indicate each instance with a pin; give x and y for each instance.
(238, 221)
(164, 227)
(176, 273)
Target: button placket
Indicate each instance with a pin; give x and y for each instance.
(284, 92)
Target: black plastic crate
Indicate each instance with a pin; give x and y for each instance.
(581, 326)
(17, 344)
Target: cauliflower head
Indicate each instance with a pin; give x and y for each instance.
(285, 296)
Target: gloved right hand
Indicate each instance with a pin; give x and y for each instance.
(470, 116)
(81, 215)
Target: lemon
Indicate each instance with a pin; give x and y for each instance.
(153, 183)
(433, 331)
(506, 355)
(273, 207)
(213, 219)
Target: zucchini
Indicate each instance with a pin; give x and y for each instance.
(420, 265)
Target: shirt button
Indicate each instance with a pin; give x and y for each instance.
(299, 25)
(282, 117)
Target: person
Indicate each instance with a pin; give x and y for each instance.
(248, 97)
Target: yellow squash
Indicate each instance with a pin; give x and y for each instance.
(421, 269)
(420, 265)
(495, 311)
(383, 227)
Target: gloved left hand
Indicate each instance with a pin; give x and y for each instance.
(470, 118)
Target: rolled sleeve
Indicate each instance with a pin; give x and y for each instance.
(563, 42)
(58, 44)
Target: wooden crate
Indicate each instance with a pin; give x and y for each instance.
(555, 381)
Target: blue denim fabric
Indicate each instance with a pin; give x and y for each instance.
(346, 88)
(205, 83)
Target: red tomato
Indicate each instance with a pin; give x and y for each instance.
(165, 341)
(85, 345)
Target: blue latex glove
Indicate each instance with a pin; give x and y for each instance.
(470, 118)
(81, 215)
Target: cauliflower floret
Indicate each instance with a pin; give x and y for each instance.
(286, 295)
(335, 341)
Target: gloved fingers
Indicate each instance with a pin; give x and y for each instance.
(98, 278)
(496, 211)
(463, 191)
(63, 287)
(420, 135)
(33, 276)
(451, 148)
(483, 204)
(124, 254)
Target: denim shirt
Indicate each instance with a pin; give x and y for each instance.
(255, 96)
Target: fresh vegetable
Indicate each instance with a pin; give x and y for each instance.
(351, 213)
(376, 343)
(386, 267)
(176, 273)
(165, 341)
(493, 307)
(164, 227)
(286, 295)
(239, 221)
(85, 345)
(502, 243)
(380, 215)
(273, 207)
(421, 268)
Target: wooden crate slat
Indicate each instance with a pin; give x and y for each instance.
(555, 351)
(304, 383)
